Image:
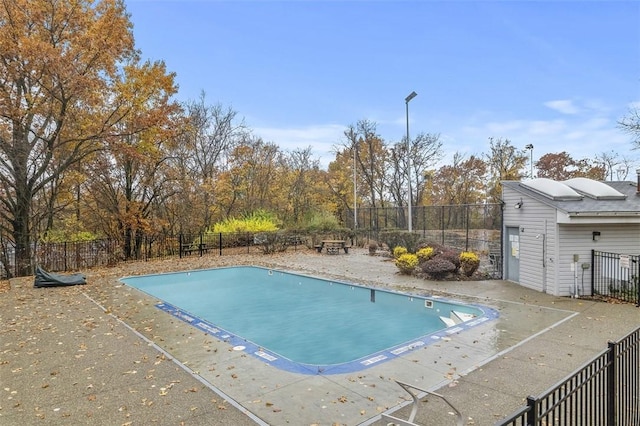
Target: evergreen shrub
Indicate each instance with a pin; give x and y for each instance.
(396, 238)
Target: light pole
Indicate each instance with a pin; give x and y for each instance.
(355, 192)
(406, 101)
(530, 148)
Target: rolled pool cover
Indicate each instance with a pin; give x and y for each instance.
(49, 279)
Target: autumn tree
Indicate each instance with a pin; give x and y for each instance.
(462, 182)
(339, 180)
(505, 162)
(561, 166)
(249, 178)
(130, 176)
(59, 62)
(303, 182)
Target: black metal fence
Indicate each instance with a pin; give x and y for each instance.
(80, 255)
(604, 392)
(616, 276)
(469, 227)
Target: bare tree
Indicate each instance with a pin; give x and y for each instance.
(631, 124)
(425, 150)
(370, 158)
(212, 132)
(608, 161)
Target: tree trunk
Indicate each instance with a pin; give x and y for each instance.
(22, 236)
(23, 198)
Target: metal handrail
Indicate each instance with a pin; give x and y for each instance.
(414, 408)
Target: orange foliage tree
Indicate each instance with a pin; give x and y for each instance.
(59, 63)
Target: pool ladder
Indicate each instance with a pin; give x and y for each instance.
(394, 421)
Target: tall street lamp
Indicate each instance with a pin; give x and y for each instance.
(530, 148)
(406, 101)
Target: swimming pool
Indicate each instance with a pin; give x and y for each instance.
(305, 324)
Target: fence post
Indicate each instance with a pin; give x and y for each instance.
(612, 396)
(442, 223)
(466, 243)
(637, 281)
(180, 245)
(220, 242)
(532, 411)
(593, 270)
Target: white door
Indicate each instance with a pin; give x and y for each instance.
(512, 255)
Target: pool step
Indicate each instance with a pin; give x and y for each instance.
(462, 316)
(456, 317)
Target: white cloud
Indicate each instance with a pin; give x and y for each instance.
(546, 128)
(564, 106)
(322, 138)
(580, 137)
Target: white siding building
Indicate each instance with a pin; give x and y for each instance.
(550, 228)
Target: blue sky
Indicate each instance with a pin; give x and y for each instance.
(555, 74)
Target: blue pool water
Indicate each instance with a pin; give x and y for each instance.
(306, 324)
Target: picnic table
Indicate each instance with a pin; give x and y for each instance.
(332, 246)
(190, 248)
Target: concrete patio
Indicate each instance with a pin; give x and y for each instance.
(104, 354)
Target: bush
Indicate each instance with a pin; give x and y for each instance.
(69, 230)
(399, 251)
(452, 256)
(406, 239)
(437, 247)
(425, 254)
(438, 267)
(407, 263)
(373, 247)
(272, 242)
(469, 262)
(322, 222)
(258, 221)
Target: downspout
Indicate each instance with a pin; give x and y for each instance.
(575, 276)
(502, 254)
(544, 257)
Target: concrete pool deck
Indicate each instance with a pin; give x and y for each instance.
(104, 354)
